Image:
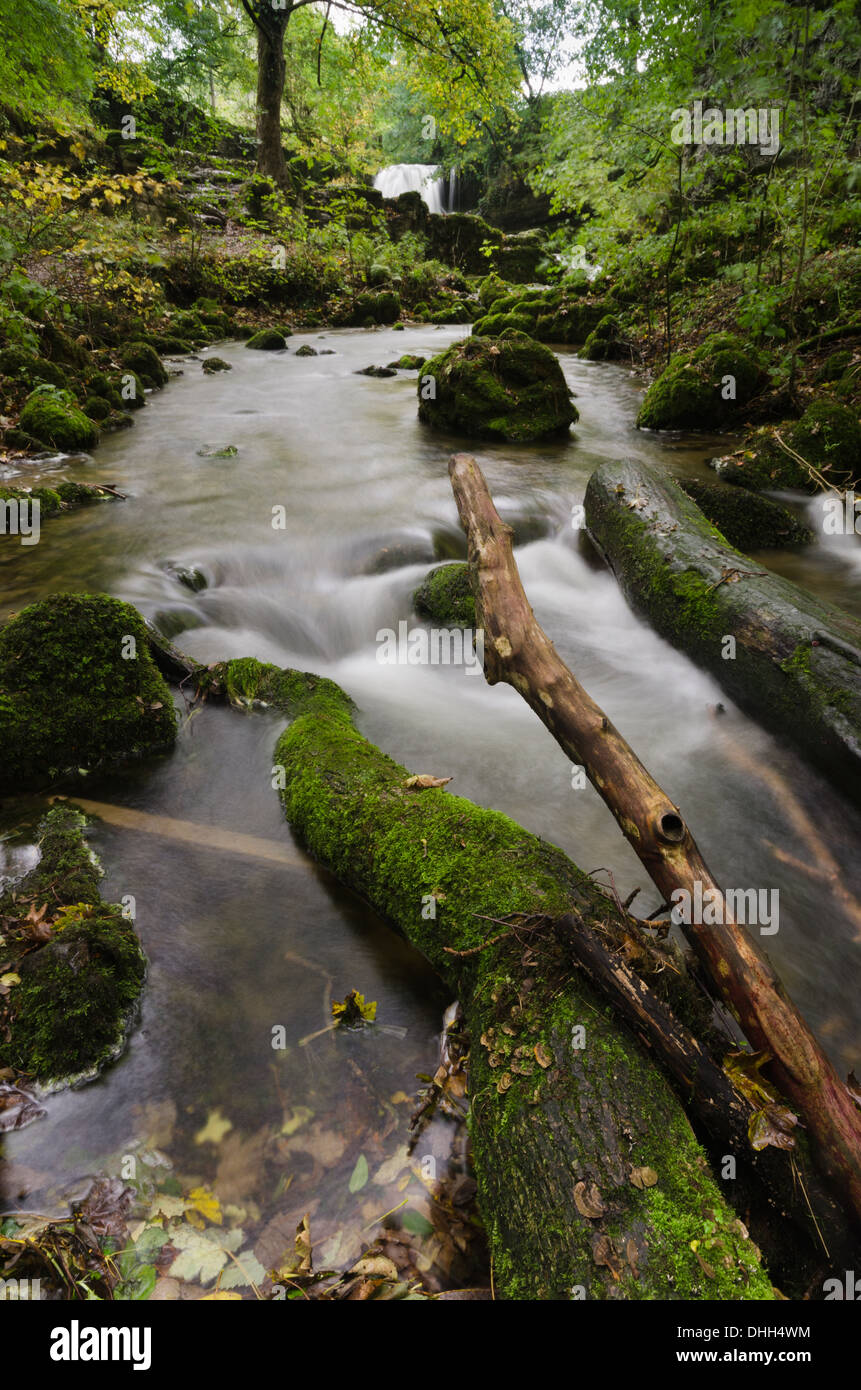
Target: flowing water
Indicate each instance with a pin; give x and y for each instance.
(246, 939)
(425, 179)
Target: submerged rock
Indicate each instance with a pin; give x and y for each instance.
(216, 364)
(377, 371)
(497, 388)
(307, 351)
(78, 689)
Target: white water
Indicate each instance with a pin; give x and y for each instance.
(413, 178)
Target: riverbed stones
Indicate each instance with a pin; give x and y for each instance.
(267, 340)
(508, 388)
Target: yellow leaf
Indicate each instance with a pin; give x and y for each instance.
(10, 979)
(214, 1130)
(221, 1296)
(204, 1201)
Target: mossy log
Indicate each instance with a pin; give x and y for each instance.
(795, 660)
(518, 651)
(79, 963)
(590, 1179)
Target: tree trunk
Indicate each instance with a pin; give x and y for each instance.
(590, 1179)
(518, 651)
(271, 70)
(797, 659)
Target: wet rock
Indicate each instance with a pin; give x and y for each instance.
(748, 521)
(508, 388)
(216, 364)
(376, 371)
(267, 340)
(692, 392)
(307, 351)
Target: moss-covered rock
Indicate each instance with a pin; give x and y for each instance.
(703, 391)
(445, 596)
(212, 365)
(604, 343)
(747, 521)
(267, 340)
(492, 287)
(410, 362)
(828, 437)
(56, 421)
(497, 388)
(554, 315)
(143, 359)
(97, 408)
(306, 350)
(70, 1013)
(78, 689)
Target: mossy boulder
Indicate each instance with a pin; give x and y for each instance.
(70, 1013)
(78, 689)
(604, 343)
(705, 390)
(213, 365)
(828, 437)
(461, 240)
(492, 287)
(54, 420)
(497, 388)
(747, 521)
(445, 597)
(143, 359)
(267, 340)
(97, 408)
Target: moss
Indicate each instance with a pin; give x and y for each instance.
(216, 364)
(57, 423)
(97, 408)
(306, 350)
(267, 340)
(604, 342)
(492, 288)
(747, 521)
(689, 394)
(498, 388)
(445, 596)
(828, 436)
(69, 699)
(399, 849)
(70, 1013)
(142, 358)
(169, 345)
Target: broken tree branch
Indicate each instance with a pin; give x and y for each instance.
(518, 652)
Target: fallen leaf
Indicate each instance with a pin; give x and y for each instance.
(214, 1130)
(360, 1174)
(423, 780)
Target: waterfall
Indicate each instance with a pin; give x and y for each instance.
(413, 178)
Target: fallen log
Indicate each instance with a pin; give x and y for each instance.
(590, 1179)
(518, 651)
(794, 661)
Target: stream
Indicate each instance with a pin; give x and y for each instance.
(240, 943)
